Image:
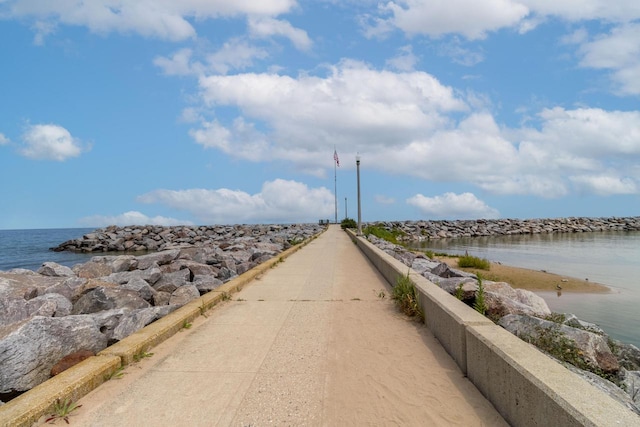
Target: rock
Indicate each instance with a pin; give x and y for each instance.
(151, 275)
(12, 310)
(420, 265)
(206, 284)
(183, 295)
(49, 305)
(161, 298)
(134, 320)
(593, 348)
(70, 360)
(573, 321)
(100, 299)
(55, 270)
(628, 355)
(502, 299)
(171, 281)
(607, 387)
(28, 354)
(158, 258)
(142, 288)
(95, 268)
(631, 384)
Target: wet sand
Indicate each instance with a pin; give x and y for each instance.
(533, 280)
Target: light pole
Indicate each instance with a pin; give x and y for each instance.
(346, 215)
(359, 210)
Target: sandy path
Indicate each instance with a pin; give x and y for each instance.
(310, 343)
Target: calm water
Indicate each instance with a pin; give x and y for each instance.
(30, 248)
(610, 258)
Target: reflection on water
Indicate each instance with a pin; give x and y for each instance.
(610, 258)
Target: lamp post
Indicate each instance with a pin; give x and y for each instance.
(359, 210)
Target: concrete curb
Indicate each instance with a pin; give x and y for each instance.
(526, 386)
(79, 380)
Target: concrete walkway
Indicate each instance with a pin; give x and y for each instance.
(314, 341)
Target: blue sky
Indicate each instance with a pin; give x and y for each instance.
(228, 111)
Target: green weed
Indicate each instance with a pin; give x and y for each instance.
(470, 261)
(479, 304)
(141, 355)
(62, 410)
(405, 295)
(115, 375)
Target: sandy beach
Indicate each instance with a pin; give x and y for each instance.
(533, 280)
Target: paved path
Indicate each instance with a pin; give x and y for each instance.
(311, 342)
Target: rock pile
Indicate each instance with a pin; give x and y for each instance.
(527, 315)
(57, 311)
(159, 238)
(425, 230)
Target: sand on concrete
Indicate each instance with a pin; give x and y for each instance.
(533, 280)
(314, 341)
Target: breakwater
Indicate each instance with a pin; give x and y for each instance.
(442, 229)
(152, 238)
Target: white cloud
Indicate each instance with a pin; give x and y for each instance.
(606, 185)
(130, 218)
(179, 64)
(353, 106)
(267, 27)
(50, 142)
(470, 18)
(279, 201)
(165, 19)
(453, 206)
(618, 51)
(405, 60)
(3, 139)
(459, 54)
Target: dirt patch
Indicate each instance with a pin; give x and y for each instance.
(533, 280)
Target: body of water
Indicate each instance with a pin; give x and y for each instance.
(30, 248)
(610, 258)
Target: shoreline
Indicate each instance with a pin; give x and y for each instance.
(532, 280)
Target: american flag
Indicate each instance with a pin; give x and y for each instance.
(335, 157)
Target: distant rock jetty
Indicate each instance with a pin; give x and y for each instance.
(428, 230)
(152, 238)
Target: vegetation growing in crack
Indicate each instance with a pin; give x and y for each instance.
(405, 295)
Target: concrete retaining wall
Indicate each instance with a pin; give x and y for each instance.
(527, 387)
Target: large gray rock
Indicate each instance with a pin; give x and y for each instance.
(120, 323)
(206, 284)
(12, 310)
(183, 295)
(169, 282)
(28, 354)
(50, 305)
(151, 275)
(100, 299)
(158, 258)
(593, 348)
(55, 270)
(502, 299)
(142, 288)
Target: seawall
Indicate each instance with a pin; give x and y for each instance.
(524, 385)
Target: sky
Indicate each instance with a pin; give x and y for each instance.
(230, 111)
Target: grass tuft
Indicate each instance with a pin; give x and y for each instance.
(405, 295)
(62, 410)
(470, 261)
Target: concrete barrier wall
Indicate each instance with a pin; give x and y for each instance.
(527, 387)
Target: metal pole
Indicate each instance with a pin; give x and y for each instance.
(346, 215)
(359, 210)
(335, 189)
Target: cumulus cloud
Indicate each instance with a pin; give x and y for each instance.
(234, 54)
(165, 19)
(606, 185)
(436, 18)
(50, 142)
(453, 206)
(408, 123)
(353, 106)
(130, 218)
(266, 27)
(278, 201)
(618, 51)
(3, 139)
